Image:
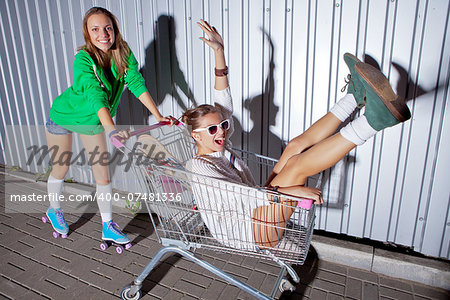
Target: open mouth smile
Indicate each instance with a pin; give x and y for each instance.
(219, 141)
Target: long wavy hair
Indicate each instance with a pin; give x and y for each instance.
(119, 51)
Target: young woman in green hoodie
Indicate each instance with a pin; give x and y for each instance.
(102, 67)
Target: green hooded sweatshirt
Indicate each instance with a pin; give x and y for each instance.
(76, 108)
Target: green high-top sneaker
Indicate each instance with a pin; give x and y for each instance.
(353, 83)
(384, 108)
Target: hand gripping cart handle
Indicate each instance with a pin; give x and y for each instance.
(119, 145)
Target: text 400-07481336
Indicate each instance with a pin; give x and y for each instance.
(160, 197)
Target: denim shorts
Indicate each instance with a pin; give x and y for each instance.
(53, 128)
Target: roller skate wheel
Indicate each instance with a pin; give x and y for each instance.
(128, 246)
(103, 246)
(125, 293)
(64, 236)
(119, 249)
(55, 234)
(44, 219)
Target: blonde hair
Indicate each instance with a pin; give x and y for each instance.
(191, 117)
(119, 51)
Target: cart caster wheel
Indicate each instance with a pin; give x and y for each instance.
(55, 234)
(44, 219)
(119, 249)
(104, 246)
(125, 293)
(286, 285)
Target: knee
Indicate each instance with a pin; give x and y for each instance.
(296, 166)
(101, 175)
(299, 144)
(296, 142)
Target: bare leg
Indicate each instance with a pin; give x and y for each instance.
(316, 159)
(63, 147)
(97, 151)
(270, 220)
(321, 129)
(99, 158)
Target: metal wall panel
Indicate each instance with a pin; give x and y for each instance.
(286, 71)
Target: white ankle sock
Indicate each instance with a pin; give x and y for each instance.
(104, 196)
(344, 107)
(54, 188)
(358, 131)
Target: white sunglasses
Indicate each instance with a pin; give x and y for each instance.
(212, 129)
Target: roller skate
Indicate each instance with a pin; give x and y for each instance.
(56, 218)
(111, 235)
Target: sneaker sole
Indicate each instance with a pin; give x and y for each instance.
(380, 85)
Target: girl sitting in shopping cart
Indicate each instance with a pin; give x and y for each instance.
(315, 150)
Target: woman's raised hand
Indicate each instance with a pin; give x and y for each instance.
(214, 39)
(215, 42)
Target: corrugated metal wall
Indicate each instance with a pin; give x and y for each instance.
(286, 71)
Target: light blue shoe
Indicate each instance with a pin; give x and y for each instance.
(111, 232)
(57, 220)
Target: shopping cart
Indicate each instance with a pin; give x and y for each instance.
(191, 211)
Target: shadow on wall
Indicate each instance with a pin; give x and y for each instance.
(162, 74)
(263, 112)
(333, 188)
(334, 179)
(406, 87)
(162, 71)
